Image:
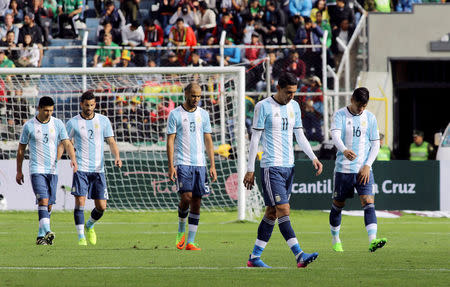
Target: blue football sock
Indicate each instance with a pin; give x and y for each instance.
(335, 222)
(78, 214)
(264, 233)
(182, 216)
(193, 225)
(44, 220)
(370, 220)
(284, 223)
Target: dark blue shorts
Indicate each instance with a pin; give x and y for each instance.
(44, 186)
(346, 183)
(277, 184)
(92, 184)
(192, 179)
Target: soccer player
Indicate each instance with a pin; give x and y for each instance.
(355, 134)
(188, 133)
(43, 133)
(276, 120)
(88, 131)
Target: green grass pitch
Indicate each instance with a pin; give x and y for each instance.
(138, 249)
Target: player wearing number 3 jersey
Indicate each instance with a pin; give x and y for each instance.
(355, 134)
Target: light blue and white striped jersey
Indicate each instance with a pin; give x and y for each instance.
(42, 140)
(356, 133)
(89, 137)
(278, 123)
(189, 128)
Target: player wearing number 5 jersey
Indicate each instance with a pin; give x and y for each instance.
(355, 134)
(42, 134)
(88, 131)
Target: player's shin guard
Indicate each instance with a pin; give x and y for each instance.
(95, 216)
(264, 233)
(335, 222)
(193, 225)
(78, 214)
(44, 220)
(182, 216)
(284, 223)
(370, 220)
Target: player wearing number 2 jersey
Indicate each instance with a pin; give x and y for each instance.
(355, 134)
(42, 134)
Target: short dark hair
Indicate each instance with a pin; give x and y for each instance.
(203, 5)
(307, 19)
(89, 95)
(149, 22)
(180, 19)
(287, 79)
(135, 23)
(46, 102)
(361, 95)
(109, 3)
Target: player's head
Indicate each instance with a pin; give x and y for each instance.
(192, 93)
(287, 86)
(359, 100)
(87, 104)
(45, 108)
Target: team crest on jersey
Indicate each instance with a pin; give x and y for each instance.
(364, 124)
(291, 115)
(199, 119)
(96, 126)
(52, 130)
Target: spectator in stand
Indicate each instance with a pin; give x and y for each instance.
(249, 29)
(16, 11)
(30, 28)
(42, 19)
(171, 61)
(68, 12)
(119, 117)
(113, 16)
(255, 10)
(292, 28)
(9, 26)
(196, 61)
(29, 53)
(236, 8)
(153, 37)
(3, 7)
(293, 64)
(133, 36)
(4, 61)
(139, 121)
(275, 22)
(208, 54)
(324, 25)
(310, 35)
(204, 19)
(300, 7)
(344, 33)
(108, 29)
(226, 24)
(107, 57)
(341, 12)
(52, 9)
(166, 10)
(17, 113)
(385, 6)
(231, 55)
(322, 7)
(125, 58)
(184, 12)
(312, 109)
(253, 54)
(182, 35)
(13, 55)
(130, 9)
(406, 5)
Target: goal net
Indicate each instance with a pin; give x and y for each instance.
(138, 101)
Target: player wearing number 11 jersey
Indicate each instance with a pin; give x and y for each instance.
(355, 134)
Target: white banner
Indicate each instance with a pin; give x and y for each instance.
(21, 197)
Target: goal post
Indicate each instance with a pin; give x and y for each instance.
(155, 91)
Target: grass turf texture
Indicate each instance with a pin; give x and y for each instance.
(138, 249)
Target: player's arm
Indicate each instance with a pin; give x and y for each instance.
(337, 141)
(170, 150)
(19, 161)
(364, 173)
(210, 151)
(306, 147)
(249, 178)
(114, 150)
(60, 151)
(71, 152)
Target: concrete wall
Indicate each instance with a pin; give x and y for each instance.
(406, 35)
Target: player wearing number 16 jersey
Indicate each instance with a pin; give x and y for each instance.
(355, 134)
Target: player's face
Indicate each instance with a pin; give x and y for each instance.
(193, 98)
(88, 107)
(287, 93)
(357, 108)
(45, 113)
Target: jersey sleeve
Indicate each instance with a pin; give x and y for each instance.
(25, 136)
(107, 128)
(336, 124)
(298, 116)
(259, 117)
(373, 131)
(172, 123)
(206, 123)
(62, 133)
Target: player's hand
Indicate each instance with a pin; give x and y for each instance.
(74, 165)
(213, 174)
(249, 180)
(364, 175)
(172, 174)
(118, 162)
(318, 166)
(349, 154)
(19, 178)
